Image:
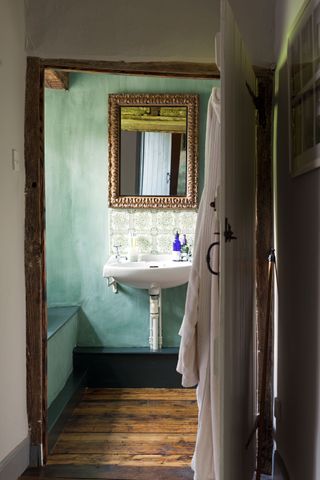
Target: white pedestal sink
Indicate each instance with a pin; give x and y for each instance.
(152, 272)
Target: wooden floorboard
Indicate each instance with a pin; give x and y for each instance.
(124, 443)
(125, 434)
(137, 408)
(129, 424)
(93, 394)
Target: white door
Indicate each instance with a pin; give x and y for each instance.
(237, 266)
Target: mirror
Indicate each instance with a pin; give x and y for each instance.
(153, 150)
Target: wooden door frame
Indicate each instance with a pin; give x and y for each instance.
(35, 277)
(36, 306)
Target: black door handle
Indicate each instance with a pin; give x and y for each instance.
(208, 257)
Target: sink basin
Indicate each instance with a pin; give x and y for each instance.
(151, 271)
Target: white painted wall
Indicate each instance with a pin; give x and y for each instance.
(13, 417)
(298, 236)
(122, 29)
(141, 30)
(255, 19)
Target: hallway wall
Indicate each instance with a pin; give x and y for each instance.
(13, 418)
(298, 237)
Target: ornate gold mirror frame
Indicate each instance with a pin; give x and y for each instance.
(188, 102)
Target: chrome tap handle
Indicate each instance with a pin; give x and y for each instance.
(117, 247)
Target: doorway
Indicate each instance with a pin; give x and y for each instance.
(35, 249)
(35, 216)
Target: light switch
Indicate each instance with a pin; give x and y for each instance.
(15, 160)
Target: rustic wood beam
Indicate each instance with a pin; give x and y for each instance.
(166, 69)
(56, 79)
(36, 312)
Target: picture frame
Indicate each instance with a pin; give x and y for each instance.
(304, 92)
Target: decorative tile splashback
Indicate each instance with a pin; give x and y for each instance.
(154, 229)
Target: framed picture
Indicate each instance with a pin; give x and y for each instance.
(304, 92)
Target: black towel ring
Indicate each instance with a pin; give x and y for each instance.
(208, 257)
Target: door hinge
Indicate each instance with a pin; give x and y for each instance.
(259, 103)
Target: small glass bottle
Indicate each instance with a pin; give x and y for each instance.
(133, 251)
(176, 248)
(184, 248)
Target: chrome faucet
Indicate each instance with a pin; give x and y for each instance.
(118, 256)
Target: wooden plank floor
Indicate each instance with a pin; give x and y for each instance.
(125, 434)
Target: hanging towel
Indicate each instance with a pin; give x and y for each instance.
(199, 332)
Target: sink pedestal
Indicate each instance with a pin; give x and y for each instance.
(152, 272)
(155, 337)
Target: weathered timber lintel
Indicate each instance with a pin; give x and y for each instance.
(171, 69)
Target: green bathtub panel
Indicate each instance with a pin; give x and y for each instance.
(60, 359)
(76, 155)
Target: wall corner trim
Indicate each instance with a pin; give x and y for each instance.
(14, 464)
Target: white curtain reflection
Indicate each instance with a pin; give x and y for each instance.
(155, 163)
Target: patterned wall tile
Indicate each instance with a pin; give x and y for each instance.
(142, 221)
(165, 220)
(119, 221)
(186, 222)
(164, 243)
(144, 243)
(154, 229)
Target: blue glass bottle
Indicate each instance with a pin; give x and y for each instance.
(176, 248)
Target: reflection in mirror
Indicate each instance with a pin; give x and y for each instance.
(147, 152)
(153, 150)
(153, 139)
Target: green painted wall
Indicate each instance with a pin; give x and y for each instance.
(77, 213)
